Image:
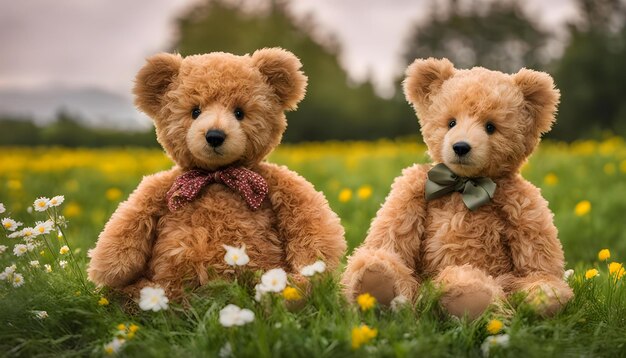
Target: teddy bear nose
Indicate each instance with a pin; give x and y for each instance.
(461, 148)
(215, 138)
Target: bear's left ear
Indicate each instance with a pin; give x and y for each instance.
(281, 70)
(541, 98)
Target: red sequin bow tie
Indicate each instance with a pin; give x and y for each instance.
(250, 185)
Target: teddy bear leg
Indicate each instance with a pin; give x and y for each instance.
(467, 290)
(547, 293)
(380, 273)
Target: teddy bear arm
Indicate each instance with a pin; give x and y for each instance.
(310, 229)
(125, 244)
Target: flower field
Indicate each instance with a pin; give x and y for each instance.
(48, 309)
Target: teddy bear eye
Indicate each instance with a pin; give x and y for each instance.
(490, 128)
(452, 123)
(195, 112)
(238, 113)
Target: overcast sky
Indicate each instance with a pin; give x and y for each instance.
(102, 43)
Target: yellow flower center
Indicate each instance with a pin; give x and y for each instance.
(41, 229)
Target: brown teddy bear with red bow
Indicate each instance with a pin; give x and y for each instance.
(218, 116)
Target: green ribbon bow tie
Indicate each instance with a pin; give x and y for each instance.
(474, 191)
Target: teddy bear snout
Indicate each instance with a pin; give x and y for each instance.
(215, 137)
(461, 148)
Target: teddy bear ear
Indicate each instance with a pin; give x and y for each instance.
(541, 97)
(281, 70)
(424, 78)
(153, 81)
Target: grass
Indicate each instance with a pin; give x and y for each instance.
(355, 178)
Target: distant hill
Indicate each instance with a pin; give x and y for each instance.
(95, 107)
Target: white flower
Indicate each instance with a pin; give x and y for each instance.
(63, 264)
(236, 256)
(398, 302)
(29, 232)
(226, 351)
(15, 235)
(259, 291)
(501, 340)
(2, 209)
(56, 201)
(114, 346)
(41, 204)
(18, 280)
(31, 245)
(64, 250)
(20, 249)
(47, 268)
(232, 315)
(40, 314)
(10, 224)
(274, 280)
(153, 298)
(310, 270)
(10, 269)
(43, 227)
(567, 274)
(3, 248)
(34, 263)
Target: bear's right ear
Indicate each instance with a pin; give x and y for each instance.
(282, 71)
(153, 81)
(424, 78)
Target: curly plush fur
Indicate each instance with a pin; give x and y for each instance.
(477, 257)
(146, 244)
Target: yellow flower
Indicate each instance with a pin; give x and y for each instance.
(591, 273)
(609, 168)
(551, 179)
(133, 328)
(366, 301)
(364, 192)
(494, 326)
(617, 269)
(121, 327)
(604, 254)
(582, 208)
(113, 194)
(72, 210)
(64, 250)
(291, 294)
(362, 335)
(103, 301)
(345, 195)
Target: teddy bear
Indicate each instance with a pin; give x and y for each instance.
(217, 116)
(469, 223)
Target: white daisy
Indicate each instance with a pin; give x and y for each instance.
(2, 208)
(34, 263)
(18, 280)
(10, 269)
(3, 248)
(43, 227)
(64, 250)
(226, 351)
(56, 201)
(47, 268)
(232, 315)
(63, 264)
(567, 274)
(15, 234)
(153, 298)
(20, 249)
(114, 346)
(29, 232)
(10, 224)
(274, 280)
(310, 270)
(236, 256)
(41, 204)
(40, 314)
(501, 340)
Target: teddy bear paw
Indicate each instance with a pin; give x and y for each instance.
(378, 283)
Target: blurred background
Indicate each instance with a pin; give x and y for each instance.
(67, 69)
(67, 66)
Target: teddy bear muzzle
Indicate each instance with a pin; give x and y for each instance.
(215, 138)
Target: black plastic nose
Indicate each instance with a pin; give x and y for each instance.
(215, 138)
(461, 148)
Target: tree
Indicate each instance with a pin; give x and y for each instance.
(332, 109)
(496, 35)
